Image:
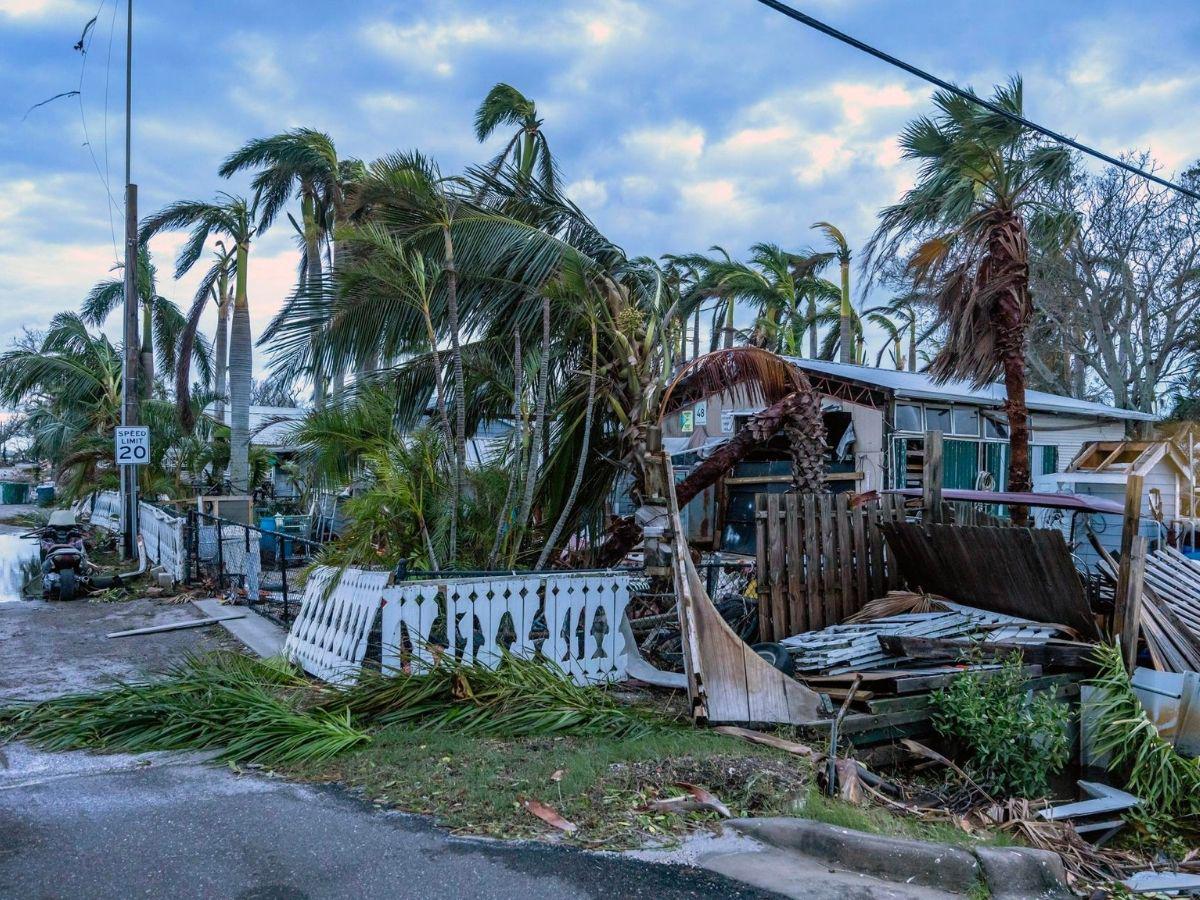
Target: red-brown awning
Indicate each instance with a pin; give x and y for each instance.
(1077, 502)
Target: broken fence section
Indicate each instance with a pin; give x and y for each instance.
(328, 639)
(820, 559)
(572, 620)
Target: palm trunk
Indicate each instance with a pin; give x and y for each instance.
(811, 312)
(912, 344)
(625, 533)
(1008, 262)
(518, 448)
(221, 345)
(312, 281)
(241, 365)
(537, 442)
(146, 355)
(589, 411)
(898, 352)
(845, 313)
(729, 311)
(460, 393)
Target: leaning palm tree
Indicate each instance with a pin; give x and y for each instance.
(527, 148)
(978, 199)
(234, 219)
(301, 163)
(162, 322)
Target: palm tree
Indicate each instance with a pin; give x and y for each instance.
(527, 149)
(299, 163)
(841, 252)
(162, 322)
(978, 198)
(234, 219)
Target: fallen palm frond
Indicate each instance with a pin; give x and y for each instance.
(251, 710)
(897, 603)
(519, 697)
(1160, 777)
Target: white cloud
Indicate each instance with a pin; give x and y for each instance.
(674, 144)
(587, 193)
(430, 45)
(39, 9)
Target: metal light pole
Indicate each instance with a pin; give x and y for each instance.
(132, 361)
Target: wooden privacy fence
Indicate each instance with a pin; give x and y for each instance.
(820, 559)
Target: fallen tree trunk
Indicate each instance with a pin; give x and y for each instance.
(624, 533)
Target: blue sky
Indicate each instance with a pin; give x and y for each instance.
(678, 124)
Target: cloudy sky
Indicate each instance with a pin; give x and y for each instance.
(678, 124)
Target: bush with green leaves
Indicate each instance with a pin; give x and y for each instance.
(1007, 738)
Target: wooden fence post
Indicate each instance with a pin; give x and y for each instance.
(931, 480)
(1129, 530)
(1129, 604)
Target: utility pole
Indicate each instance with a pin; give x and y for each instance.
(132, 356)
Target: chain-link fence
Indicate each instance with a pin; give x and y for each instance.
(264, 567)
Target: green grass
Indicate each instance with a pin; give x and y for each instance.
(475, 784)
(877, 820)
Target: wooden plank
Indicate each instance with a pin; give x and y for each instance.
(775, 562)
(762, 528)
(811, 551)
(1129, 528)
(796, 612)
(1131, 604)
(845, 558)
(1061, 654)
(1016, 571)
(878, 581)
(859, 537)
(931, 478)
(829, 600)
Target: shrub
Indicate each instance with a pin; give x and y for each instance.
(1009, 741)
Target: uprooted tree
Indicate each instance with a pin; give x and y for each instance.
(795, 408)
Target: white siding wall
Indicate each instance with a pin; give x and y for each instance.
(1070, 434)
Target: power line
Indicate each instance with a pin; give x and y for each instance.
(832, 32)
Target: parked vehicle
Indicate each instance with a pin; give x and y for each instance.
(64, 557)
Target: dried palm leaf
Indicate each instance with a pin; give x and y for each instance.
(898, 603)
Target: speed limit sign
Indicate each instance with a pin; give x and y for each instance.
(133, 445)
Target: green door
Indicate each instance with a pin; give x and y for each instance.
(996, 462)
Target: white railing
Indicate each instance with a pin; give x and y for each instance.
(571, 620)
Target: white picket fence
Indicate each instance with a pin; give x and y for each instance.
(570, 619)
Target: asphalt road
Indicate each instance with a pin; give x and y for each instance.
(169, 825)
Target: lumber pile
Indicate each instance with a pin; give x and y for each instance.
(1170, 613)
(887, 667)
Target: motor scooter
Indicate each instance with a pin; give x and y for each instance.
(65, 565)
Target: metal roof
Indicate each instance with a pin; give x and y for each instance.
(921, 386)
(270, 426)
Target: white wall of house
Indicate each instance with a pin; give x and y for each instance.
(1070, 434)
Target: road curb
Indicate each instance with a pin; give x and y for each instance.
(1009, 872)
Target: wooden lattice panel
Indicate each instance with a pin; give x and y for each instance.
(328, 639)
